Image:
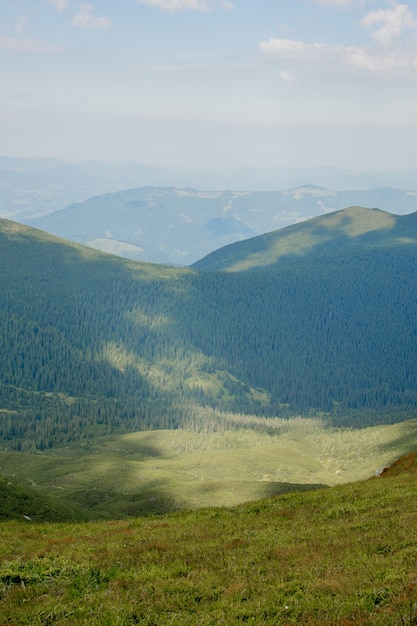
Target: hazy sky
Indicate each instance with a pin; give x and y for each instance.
(211, 83)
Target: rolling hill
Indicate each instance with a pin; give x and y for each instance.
(180, 226)
(162, 471)
(354, 229)
(34, 187)
(24, 503)
(93, 344)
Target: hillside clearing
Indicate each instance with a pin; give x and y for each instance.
(233, 462)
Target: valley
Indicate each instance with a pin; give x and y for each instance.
(93, 344)
(230, 441)
(179, 226)
(162, 471)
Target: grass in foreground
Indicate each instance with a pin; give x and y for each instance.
(345, 555)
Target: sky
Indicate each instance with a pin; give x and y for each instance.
(211, 84)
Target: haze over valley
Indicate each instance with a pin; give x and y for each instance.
(166, 217)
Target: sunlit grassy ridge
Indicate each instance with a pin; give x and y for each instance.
(339, 556)
(223, 460)
(351, 226)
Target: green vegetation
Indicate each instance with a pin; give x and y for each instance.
(93, 345)
(224, 460)
(130, 389)
(18, 502)
(180, 226)
(338, 556)
(351, 229)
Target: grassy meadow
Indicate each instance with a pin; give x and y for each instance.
(236, 460)
(340, 556)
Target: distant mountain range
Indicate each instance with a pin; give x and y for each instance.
(154, 214)
(316, 319)
(180, 226)
(37, 186)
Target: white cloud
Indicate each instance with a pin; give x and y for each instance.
(86, 20)
(394, 22)
(359, 57)
(377, 62)
(15, 44)
(59, 5)
(287, 77)
(389, 49)
(335, 3)
(174, 6)
(340, 4)
(292, 49)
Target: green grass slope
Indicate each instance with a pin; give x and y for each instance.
(19, 502)
(163, 471)
(353, 227)
(339, 556)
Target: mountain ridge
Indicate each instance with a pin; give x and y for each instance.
(179, 226)
(337, 231)
(94, 344)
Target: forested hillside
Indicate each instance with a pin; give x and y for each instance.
(352, 230)
(93, 344)
(80, 333)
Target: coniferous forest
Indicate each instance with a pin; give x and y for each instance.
(94, 344)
